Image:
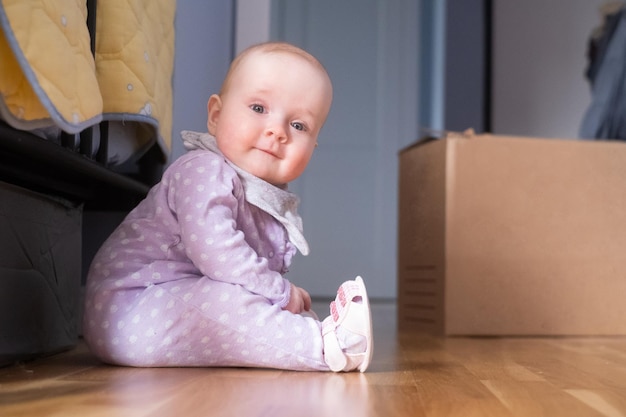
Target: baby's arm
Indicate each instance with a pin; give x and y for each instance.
(204, 201)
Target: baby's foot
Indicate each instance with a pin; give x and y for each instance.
(347, 332)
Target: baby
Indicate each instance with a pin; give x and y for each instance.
(194, 275)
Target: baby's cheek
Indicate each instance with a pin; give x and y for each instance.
(300, 162)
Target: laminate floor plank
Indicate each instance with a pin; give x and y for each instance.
(410, 375)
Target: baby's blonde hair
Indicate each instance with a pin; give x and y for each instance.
(269, 48)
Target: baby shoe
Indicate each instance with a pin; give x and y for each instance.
(347, 332)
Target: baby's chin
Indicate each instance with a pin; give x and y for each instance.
(266, 176)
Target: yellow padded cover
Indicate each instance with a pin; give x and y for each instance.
(135, 61)
(48, 75)
(47, 71)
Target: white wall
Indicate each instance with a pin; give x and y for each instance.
(540, 47)
(203, 51)
(253, 23)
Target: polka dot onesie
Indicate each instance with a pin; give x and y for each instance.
(193, 277)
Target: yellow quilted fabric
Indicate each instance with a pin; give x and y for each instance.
(48, 75)
(135, 60)
(47, 72)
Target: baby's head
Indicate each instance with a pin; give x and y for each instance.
(270, 110)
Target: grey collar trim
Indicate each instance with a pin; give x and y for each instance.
(276, 201)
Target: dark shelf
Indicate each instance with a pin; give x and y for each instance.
(29, 161)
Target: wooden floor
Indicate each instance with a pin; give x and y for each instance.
(410, 375)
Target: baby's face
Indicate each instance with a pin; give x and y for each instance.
(268, 120)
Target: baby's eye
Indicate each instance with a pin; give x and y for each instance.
(298, 126)
(257, 108)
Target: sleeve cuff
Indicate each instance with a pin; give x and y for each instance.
(283, 303)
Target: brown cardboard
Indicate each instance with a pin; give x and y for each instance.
(512, 236)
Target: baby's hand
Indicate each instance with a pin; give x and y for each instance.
(299, 301)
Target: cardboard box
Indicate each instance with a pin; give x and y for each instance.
(512, 236)
(40, 273)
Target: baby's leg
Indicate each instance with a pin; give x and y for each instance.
(201, 322)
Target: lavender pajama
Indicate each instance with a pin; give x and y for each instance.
(194, 277)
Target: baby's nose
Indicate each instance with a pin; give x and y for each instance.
(277, 131)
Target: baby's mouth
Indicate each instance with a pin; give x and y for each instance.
(268, 152)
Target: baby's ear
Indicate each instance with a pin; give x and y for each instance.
(214, 108)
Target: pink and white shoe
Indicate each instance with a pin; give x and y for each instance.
(347, 332)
